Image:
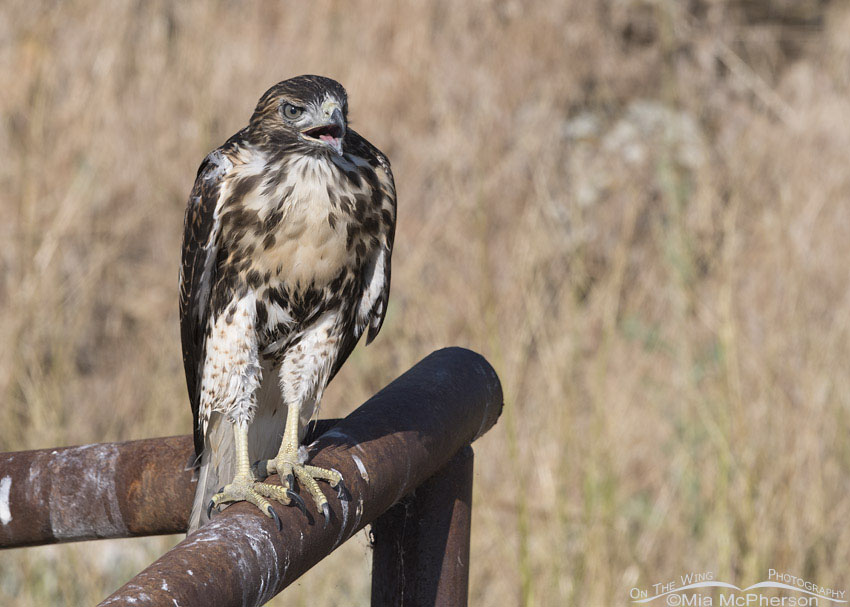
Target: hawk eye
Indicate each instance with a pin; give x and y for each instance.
(292, 112)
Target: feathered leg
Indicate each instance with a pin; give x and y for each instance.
(304, 373)
(231, 382)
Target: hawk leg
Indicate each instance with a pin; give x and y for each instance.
(290, 466)
(245, 488)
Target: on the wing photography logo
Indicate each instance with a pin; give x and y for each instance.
(780, 589)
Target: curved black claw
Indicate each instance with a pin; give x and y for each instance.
(276, 518)
(342, 492)
(290, 480)
(297, 500)
(211, 505)
(260, 469)
(326, 513)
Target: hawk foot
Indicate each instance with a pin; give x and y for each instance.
(247, 489)
(290, 469)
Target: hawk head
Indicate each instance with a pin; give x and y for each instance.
(308, 113)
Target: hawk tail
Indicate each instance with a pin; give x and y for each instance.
(218, 465)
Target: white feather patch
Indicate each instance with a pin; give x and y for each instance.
(375, 287)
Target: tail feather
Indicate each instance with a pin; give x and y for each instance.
(218, 466)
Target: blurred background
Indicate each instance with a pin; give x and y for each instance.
(637, 210)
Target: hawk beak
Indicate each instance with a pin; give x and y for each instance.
(332, 131)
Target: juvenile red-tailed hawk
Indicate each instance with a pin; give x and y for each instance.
(286, 262)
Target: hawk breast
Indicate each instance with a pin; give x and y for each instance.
(302, 235)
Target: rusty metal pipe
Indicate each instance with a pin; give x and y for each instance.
(421, 555)
(384, 450)
(104, 490)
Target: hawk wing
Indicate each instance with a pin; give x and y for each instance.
(198, 273)
(373, 303)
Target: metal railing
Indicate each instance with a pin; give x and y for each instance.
(407, 465)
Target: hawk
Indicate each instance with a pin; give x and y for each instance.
(286, 253)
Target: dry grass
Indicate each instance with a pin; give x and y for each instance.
(637, 212)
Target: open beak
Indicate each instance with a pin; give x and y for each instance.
(331, 132)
